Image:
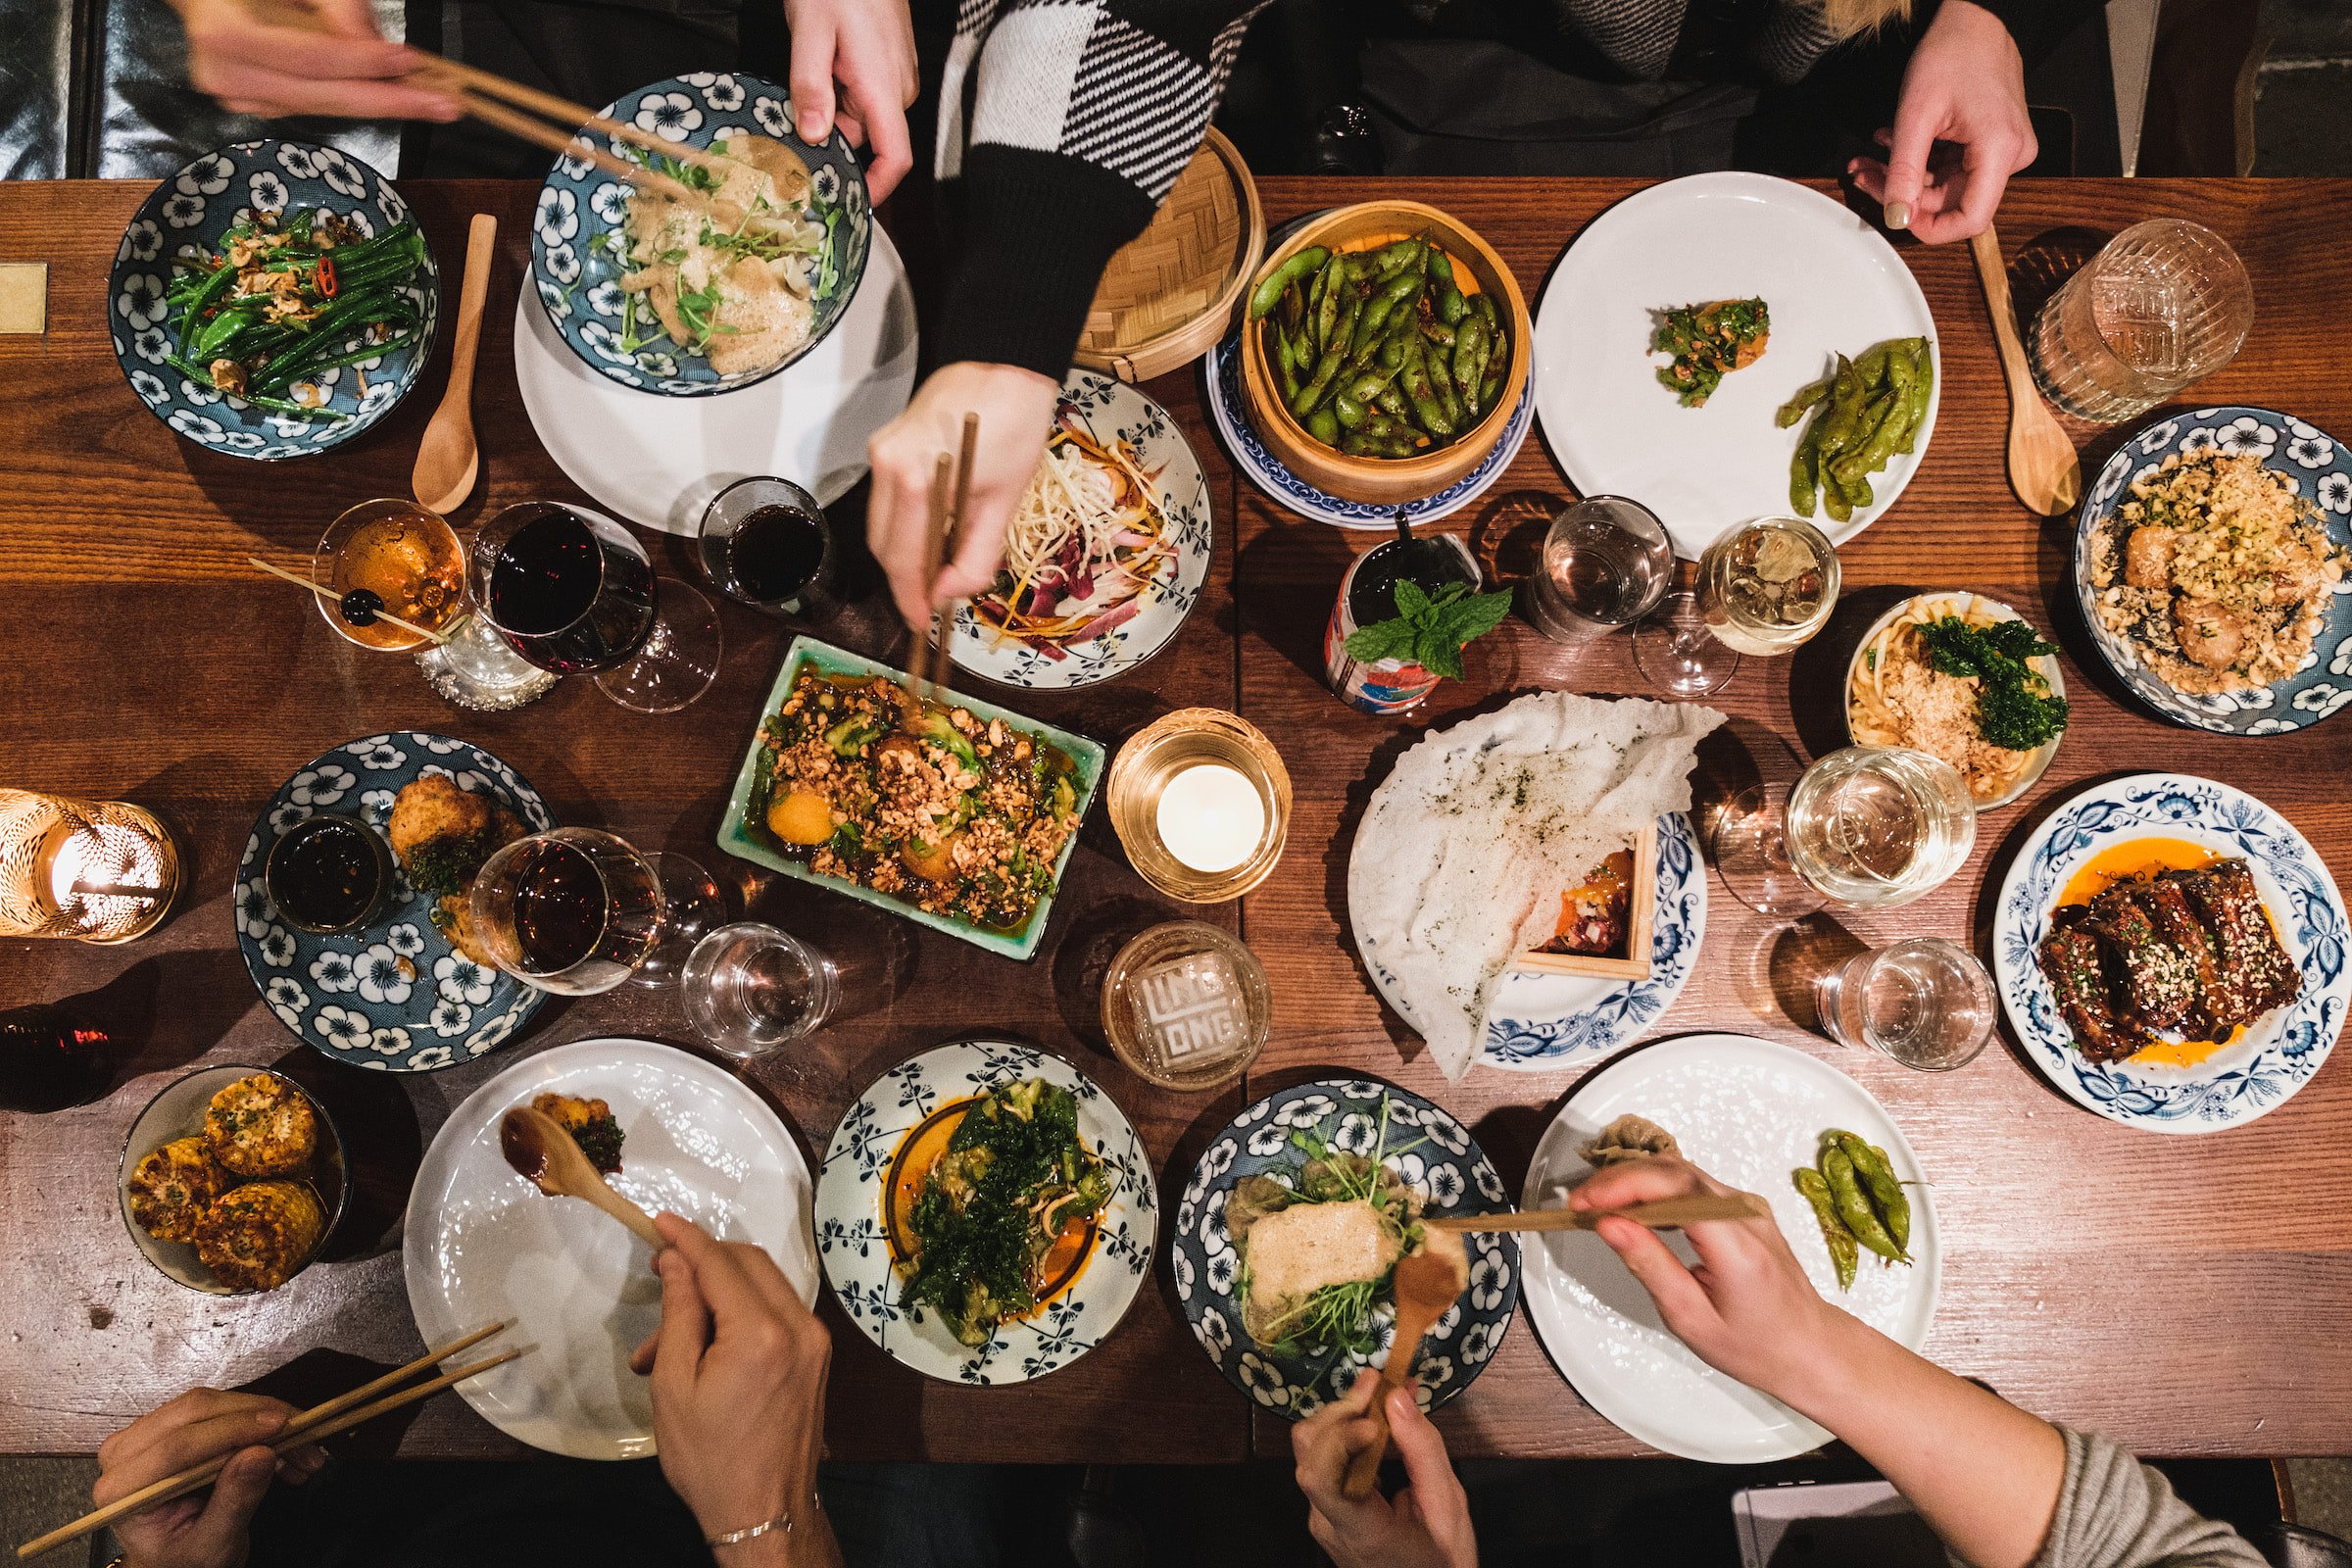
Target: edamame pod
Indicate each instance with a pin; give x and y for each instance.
(1844, 1255)
(1796, 407)
(1324, 426)
(1439, 333)
(1348, 411)
(1853, 1205)
(1269, 293)
(1327, 309)
(1428, 410)
(1879, 1180)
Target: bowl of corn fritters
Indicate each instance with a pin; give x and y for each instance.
(233, 1179)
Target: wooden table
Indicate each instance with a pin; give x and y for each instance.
(2184, 1294)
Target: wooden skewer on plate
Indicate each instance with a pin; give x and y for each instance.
(333, 598)
(338, 1414)
(1666, 1215)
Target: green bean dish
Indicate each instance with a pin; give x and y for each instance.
(1866, 412)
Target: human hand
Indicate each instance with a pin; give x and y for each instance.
(205, 1528)
(1747, 1309)
(303, 57)
(1017, 410)
(1427, 1525)
(1965, 86)
(867, 47)
(738, 1371)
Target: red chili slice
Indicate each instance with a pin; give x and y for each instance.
(326, 276)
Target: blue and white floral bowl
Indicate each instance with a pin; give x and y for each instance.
(395, 996)
(577, 229)
(1109, 410)
(2320, 467)
(852, 1235)
(1431, 1152)
(1548, 1022)
(192, 209)
(2279, 1053)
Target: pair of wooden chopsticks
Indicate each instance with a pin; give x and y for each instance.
(338, 1414)
(1666, 1215)
(950, 497)
(478, 89)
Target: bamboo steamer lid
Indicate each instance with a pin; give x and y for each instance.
(1174, 291)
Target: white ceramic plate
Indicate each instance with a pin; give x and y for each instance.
(854, 1239)
(482, 1244)
(659, 460)
(1832, 285)
(1748, 1112)
(1105, 410)
(2279, 1051)
(1547, 1022)
(1956, 602)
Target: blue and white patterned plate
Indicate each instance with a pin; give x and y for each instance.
(2279, 1053)
(581, 211)
(2321, 469)
(853, 1235)
(1109, 410)
(1431, 1152)
(395, 996)
(1547, 1022)
(191, 211)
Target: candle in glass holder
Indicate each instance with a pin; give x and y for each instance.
(1210, 816)
(93, 870)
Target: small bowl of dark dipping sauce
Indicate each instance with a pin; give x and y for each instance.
(328, 874)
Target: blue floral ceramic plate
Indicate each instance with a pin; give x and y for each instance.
(1107, 411)
(578, 245)
(852, 1235)
(191, 211)
(2278, 1053)
(2320, 467)
(395, 996)
(1221, 372)
(1431, 1152)
(1547, 1022)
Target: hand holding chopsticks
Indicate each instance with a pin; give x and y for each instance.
(338, 1414)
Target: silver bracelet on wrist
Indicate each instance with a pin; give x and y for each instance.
(781, 1522)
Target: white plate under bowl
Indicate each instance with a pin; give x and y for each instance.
(482, 1244)
(1833, 284)
(1747, 1113)
(659, 460)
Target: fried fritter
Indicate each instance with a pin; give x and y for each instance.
(262, 1126)
(257, 1235)
(431, 808)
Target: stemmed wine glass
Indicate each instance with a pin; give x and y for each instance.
(573, 592)
(578, 911)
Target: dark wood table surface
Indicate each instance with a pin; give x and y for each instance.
(2185, 1295)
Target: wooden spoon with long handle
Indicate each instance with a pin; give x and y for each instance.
(448, 459)
(1427, 1284)
(2043, 470)
(539, 1148)
(1666, 1215)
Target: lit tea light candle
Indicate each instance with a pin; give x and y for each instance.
(1211, 816)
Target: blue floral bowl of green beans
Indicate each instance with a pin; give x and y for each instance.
(328, 347)
(580, 247)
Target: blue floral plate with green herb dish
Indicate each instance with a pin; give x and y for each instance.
(579, 243)
(394, 996)
(1437, 1163)
(743, 831)
(188, 214)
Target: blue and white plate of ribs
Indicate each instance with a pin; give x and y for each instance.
(2172, 954)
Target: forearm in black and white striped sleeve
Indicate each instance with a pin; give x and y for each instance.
(1062, 124)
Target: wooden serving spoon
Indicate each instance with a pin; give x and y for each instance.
(1427, 1284)
(2043, 470)
(447, 459)
(546, 1156)
(1666, 1215)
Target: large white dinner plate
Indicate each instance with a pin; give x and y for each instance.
(1832, 285)
(1748, 1112)
(658, 460)
(482, 1244)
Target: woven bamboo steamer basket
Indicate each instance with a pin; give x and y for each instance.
(1174, 291)
(1386, 481)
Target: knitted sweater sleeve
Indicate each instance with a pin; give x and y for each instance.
(2114, 1512)
(1062, 124)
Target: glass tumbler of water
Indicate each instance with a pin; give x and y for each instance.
(750, 986)
(1927, 1003)
(1877, 826)
(1606, 564)
(2167, 303)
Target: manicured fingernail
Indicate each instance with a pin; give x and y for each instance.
(1899, 214)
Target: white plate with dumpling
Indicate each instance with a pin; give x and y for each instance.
(482, 1244)
(1748, 1112)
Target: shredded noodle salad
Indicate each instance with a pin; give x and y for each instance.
(1085, 547)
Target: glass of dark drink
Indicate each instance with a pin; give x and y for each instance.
(574, 593)
(765, 543)
(578, 910)
(328, 874)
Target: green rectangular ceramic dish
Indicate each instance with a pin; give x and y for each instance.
(743, 831)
